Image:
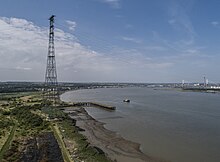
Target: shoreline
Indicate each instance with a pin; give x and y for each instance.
(112, 144)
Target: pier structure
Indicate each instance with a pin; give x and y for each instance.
(94, 104)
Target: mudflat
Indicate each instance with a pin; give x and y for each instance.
(115, 147)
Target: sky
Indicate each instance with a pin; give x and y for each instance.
(112, 40)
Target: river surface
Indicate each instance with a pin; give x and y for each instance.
(169, 124)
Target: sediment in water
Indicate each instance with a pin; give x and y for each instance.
(116, 148)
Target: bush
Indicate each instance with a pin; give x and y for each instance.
(5, 123)
(26, 118)
(6, 112)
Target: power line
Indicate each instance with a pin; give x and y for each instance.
(99, 44)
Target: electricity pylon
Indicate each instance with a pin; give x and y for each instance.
(51, 92)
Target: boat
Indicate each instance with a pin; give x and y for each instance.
(126, 100)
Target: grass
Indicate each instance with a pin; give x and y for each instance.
(6, 146)
(4, 96)
(5, 133)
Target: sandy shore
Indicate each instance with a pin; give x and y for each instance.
(115, 147)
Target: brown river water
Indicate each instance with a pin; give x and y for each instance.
(169, 124)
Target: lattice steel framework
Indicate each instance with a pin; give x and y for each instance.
(51, 92)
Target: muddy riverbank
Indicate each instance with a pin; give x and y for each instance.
(116, 148)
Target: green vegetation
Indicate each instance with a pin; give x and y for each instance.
(12, 96)
(29, 123)
(54, 113)
(64, 128)
(24, 116)
(8, 142)
(82, 149)
(5, 123)
(18, 120)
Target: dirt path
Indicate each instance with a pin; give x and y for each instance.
(65, 152)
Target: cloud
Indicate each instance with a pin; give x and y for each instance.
(119, 16)
(171, 21)
(24, 48)
(24, 44)
(181, 22)
(129, 26)
(155, 48)
(113, 3)
(22, 68)
(215, 23)
(130, 39)
(71, 25)
(177, 51)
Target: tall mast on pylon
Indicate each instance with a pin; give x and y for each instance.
(51, 85)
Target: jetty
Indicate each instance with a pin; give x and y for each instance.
(94, 104)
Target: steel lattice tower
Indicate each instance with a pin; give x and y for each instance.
(51, 85)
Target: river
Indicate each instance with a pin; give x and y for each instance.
(169, 124)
